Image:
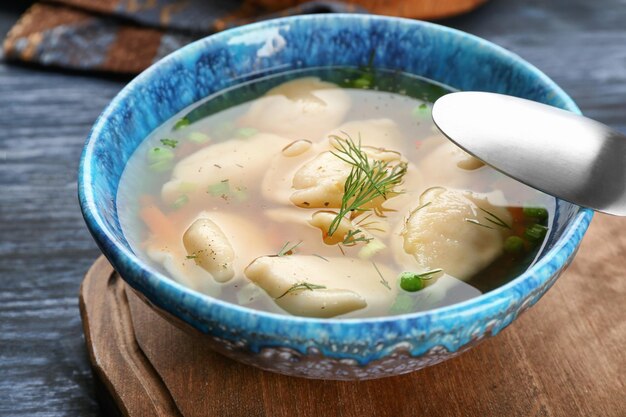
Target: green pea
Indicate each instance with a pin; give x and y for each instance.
(536, 212)
(411, 282)
(536, 232)
(513, 244)
(160, 154)
(402, 305)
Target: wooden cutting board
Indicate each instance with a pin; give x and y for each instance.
(564, 357)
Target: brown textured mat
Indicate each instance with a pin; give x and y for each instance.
(126, 36)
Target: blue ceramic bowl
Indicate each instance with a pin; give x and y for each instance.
(318, 348)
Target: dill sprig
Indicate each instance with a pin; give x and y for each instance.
(320, 256)
(429, 274)
(382, 278)
(477, 223)
(352, 239)
(367, 180)
(490, 217)
(302, 286)
(288, 250)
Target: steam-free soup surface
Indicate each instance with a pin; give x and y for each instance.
(326, 193)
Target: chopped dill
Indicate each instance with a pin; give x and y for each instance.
(491, 218)
(320, 256)
(352, 239)
(367, 180)
(183, 122)
(495, 219)
(429, 274)
(169, 142)
(287, 250)
(382, 279)
(194, 256)
(477, 223)
(302, 286)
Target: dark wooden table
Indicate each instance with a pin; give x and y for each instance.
(45, 116)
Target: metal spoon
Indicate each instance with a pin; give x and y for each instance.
(560, 153)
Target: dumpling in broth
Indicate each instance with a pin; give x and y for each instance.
(320, 182)
(377, 133)
(446, 164)
(215, 247)
(239, 161)
(335, 285)
(459, 232)
(305, 108)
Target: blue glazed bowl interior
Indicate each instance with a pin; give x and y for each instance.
(229, 58)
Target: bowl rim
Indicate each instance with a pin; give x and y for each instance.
(117, 252)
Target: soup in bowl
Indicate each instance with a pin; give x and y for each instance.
(281, 188)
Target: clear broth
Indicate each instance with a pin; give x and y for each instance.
(403, 98)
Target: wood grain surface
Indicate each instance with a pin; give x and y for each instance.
(45, 248)
(564, 357)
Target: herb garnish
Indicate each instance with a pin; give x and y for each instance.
(367, 180)
(495, 219)
(286, 250)
(302, 286)
(491, 218)
(183, 122)
(180, 201)
(382, 279)
(194, 256)
(477, 223)
(352, 239)
(169, 142)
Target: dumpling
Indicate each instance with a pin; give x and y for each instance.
(305, 108)
(238, 161)
(460, 232)
(377, 133)
(278, 179)
(210, 248)
(336, 285)
(188, 258)
(445, 164)
(320, 182)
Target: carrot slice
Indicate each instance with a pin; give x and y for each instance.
(158, 223)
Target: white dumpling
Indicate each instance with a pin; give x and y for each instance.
(320, 182)
(239, 161)
(244, 237)
(442, 232)
(350, 284)
(377, 133)
(305, 108)
(278, 178)
(445, 164)
(210, 248)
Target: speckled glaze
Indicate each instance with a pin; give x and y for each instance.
(315, 348)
